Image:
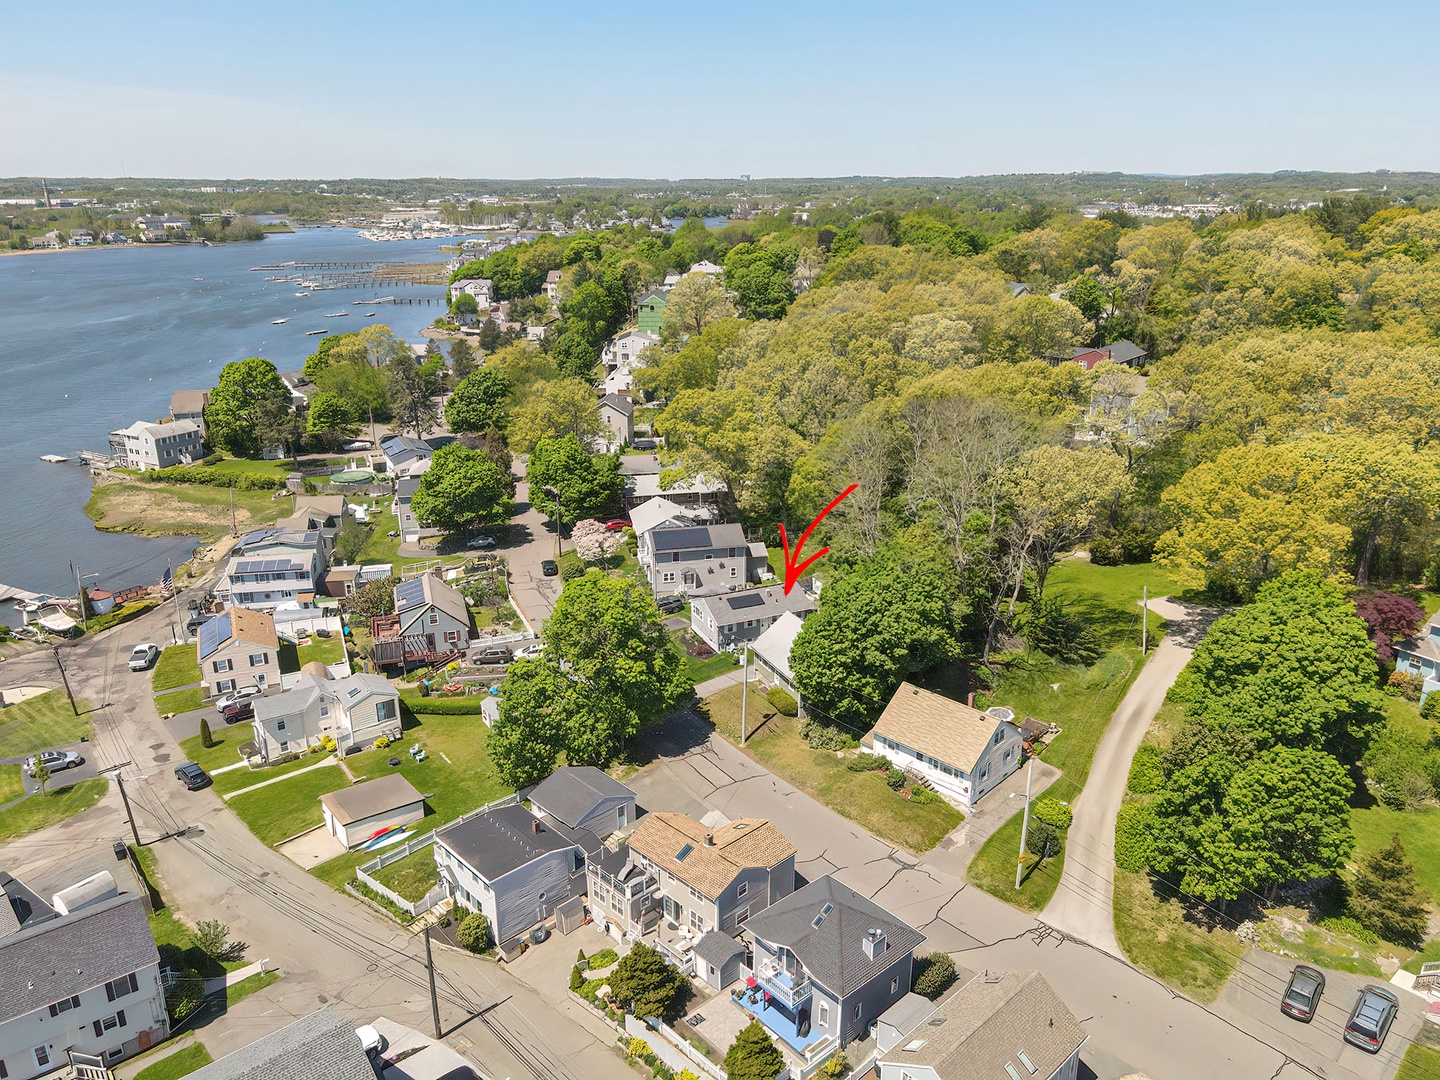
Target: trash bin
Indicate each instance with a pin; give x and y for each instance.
(119, 849)
(539, 934)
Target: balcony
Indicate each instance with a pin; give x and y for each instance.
(790, 990)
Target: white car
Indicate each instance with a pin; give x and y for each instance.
(244, 693)
(142, 656)
(529, 652)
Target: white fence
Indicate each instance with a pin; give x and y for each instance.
(400, 851)
(671, 1048)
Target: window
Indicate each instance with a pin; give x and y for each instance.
(284, 746)
(42, 1055)
(452, 636)
(386, 710)
(668, 576)
(224, 686)
(741, 890)
(118, 988)
(118, 1051)
(734, 572)
(64, 1006)
(895, 984)
(822, 1014)
(741, 916)
(109, 1023)
(258, 659)
(998, 736)
(223, 665)
(434, 618)
(324, 708)
(280, 725)
(855, 1012)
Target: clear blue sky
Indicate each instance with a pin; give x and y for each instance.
(779, 88)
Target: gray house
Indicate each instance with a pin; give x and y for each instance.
(827, 963)
(730, 620)
(431, 623)
(583, 797)
(513, 867)
(321, 1046)
(699, 559)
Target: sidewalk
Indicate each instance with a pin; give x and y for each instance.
(329, 760)
(718, 683)
(220, 983)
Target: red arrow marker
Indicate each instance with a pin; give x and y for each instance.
(794, 569)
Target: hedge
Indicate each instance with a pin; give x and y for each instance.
(1134, 837)
(444, 706)
(1147, 775)
(784, 704)
(199, 474)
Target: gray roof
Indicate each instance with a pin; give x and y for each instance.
(1125, 352)
(321, 1046)
(833, 952)
(503, 840)
(426, 591)
(68, 955)
(1425, 644)
(572, 792)
(21, 905)
(907, 1013)
(768, 602)
(623, 405)
(718, 949)
(370, 798)
(699, 538)
(988, 1023)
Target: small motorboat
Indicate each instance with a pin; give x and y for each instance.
(277, 322)
(54, 459)
(315, 333)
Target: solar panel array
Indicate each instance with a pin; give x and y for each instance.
(746, 600)
(410, 593)
(267, 566)
(213, 633)
(681, 539)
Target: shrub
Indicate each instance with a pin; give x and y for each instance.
(895, 779)
(580, 958)
(1134, 837)
(569, 571)
(923, 795)
(444, 706)
(1351, 926)
(576, 979)
(207, 740)
(865, 763)
(837, 1065)
(213, 939)
(1125, 545)
(1405, 685)
(1053, 629)
(590, 989)
(381, 743)
(1052, 812)
(603, 958)
(638, 1047)
(933, 975)
(784, 704)
(1147, 775)
(185, 994)
(824, 736)
(473, 933)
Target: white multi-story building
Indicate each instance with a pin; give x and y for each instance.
(157, 446)
(80, 974)
(354, 711)
(272, 567)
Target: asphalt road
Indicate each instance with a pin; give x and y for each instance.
(527, 541)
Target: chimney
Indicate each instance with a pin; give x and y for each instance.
(874, 943)
(970, 699)
(535, 826)
(709, 839)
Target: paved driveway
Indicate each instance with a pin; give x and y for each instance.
(530, 589)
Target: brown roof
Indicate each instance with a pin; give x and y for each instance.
(989, 1022)
(324, 505)
(372, 797)
(949, 731)
(256, 627)
(744, 843)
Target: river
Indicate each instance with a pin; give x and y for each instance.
(94, 339)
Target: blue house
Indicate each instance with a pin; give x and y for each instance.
(1421, 655)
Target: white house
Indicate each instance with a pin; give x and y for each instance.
(962, 751)
(354, 711)
(157, 446)
(1420, 656)
(81, 974)
(480, 288)
(512, 866)
(551, 288)
(356, 814)
(583, 797)
(706, 267)
(697, 490)
(272, 567)
(624, 350)
(771, 655)
(190, 405)
(998, 1024)
(727, 621)
(401, 451)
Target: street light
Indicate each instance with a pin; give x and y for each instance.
(559, 513)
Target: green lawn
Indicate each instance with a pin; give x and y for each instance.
(862, 797)
(238, 992)
(238, 779)
(245, 466)
(178, 701)
(180, 1063)
(329, 650)
(1155, 934)
(179, 509)
(381, 548)
(1420, 1063)
(12, 783)
(177, 945)
(280, 811)
(177, 666)
(413, 876)
(38, 811)
(993, 868)
(1403, 717)
(226, 750)
(1419, 831)
(41, 722)
(697, 671)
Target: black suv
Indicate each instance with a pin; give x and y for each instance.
(191, 775)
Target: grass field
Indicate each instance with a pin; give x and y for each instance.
(238, 779)
(238, 992)
(1154, 933)
(226, 750)
(413, 876)
(1419, 831)
(862, 797)
(57, 804)
(179, 509)
(181, 1063)
(178, 701)
(282, 810)
(993, 868)
(42, 721)
(329, 650)
(697, 671)
(177, 666)
(1420, 1063)
(12, 783)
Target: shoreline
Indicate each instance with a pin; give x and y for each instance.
(149, 244)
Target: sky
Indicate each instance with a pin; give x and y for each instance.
(778, 88)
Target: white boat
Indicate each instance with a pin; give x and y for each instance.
(54, 459)
(369, 314)
(302, 294)
(337, 315)
(312, 333)
(277, 322)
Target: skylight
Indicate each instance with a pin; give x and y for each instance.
(683, 852)
(815, 922)
(914, 1045)
(1025, 1060)
(1011, 1070)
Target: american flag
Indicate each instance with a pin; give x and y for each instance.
(167, 583)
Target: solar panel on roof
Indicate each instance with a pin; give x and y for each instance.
(680, 539)
(409, 592)
(213, 633)
(746, 600)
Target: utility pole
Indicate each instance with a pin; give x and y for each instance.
(65, 679)
(234, 529)
(430, 966)
(559, 516)
(1024, 826)
(129, 814)
(1144, 619)
(80, 599)
(744, 690)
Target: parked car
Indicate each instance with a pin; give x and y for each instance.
(529, 652)
(644, 444)
(239, 711)
(142, 656)
(481, 543)
(235, 696)
(192, 775)
(491, 654)
(617, 524)
(193, 624)
(1370, 1019)
(549, 567)
(669, 605)
(1302, 993)
(54, 760)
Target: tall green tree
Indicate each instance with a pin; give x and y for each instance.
(538, 707)
(248, 391)
(479, 402)
(1387, 897)
(759, 279)
(558, 407)
(753, 1055)
(697, 301)
(414, 385)
(462, 489)
(589, 485)
(330, 420)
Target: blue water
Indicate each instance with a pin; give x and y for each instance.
(94, 339)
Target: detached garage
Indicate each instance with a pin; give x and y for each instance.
(355, 815)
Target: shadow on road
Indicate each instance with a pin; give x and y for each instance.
(676, 735)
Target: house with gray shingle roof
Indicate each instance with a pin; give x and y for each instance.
(999, 1024)
(1420, 656)
(583, 797)
(827, 963)
(321, 1046)
(87, 980)
(730, 620)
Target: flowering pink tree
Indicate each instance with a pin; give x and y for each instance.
(593, 542)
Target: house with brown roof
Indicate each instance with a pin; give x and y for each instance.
(238, 648)
(999, 1024)
(960, 750)
(680, 879)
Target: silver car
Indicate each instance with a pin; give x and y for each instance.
(54, 760)
(244, 693)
